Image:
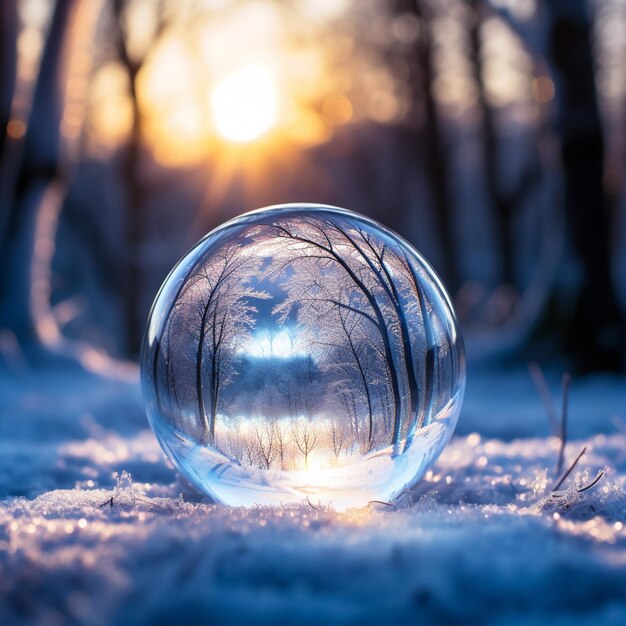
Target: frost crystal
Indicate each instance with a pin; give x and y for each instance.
(302, 353)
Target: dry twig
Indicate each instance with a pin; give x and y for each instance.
(316, 508)
(563, 430)
(569, 470)
(541, 385)
(592, 483)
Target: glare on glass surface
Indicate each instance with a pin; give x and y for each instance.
(245, 104)
(302, 353)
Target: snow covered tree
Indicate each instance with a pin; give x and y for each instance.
(338, 436)
(218, 308)
(342, 267)
(351, 362)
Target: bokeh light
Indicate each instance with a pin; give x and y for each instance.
(245, 104)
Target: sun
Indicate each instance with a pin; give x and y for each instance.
(245, 104)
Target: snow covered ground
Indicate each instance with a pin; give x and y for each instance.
(482, 540)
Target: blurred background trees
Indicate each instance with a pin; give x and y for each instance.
(490, 133)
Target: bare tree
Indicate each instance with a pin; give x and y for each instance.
(436, 158)
(267, 444)
(219, 300)
(135, 189)
(8, 69)
(282, 441)
(234, 441)
(249, 446)
(505, 203)
(306, 438)
(597, 336)
(34, 196)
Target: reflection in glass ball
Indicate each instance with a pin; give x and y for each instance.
(302, 353)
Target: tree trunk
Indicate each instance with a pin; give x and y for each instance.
(135, 192)
(423, 415)
(135, 224)
(364, 383)
(38, 197)
(199, 387)
(435, 153)
(215, 384)
(597, 335)
(501, 204)
(8, 65)
(382, 276)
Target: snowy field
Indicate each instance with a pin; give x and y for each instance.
(483, 539)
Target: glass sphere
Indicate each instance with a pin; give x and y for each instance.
(302, 353)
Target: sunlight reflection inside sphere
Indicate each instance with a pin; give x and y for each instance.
(264, 344)
(245, 104)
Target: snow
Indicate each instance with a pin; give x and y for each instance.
(482, 539)
(363, 479)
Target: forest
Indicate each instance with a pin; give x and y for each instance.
(120, 153)
(348, 311)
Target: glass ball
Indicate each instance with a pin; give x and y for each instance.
(302, 353)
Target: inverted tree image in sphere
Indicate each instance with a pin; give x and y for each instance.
(302, 353)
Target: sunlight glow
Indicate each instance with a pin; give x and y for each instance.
(245, 104)
(234, 86)
(264, 344)
(315, 465)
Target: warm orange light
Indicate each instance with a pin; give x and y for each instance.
(16, 128)
(542, 89)
(245, 104)
(337, 110)
(200, 95)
